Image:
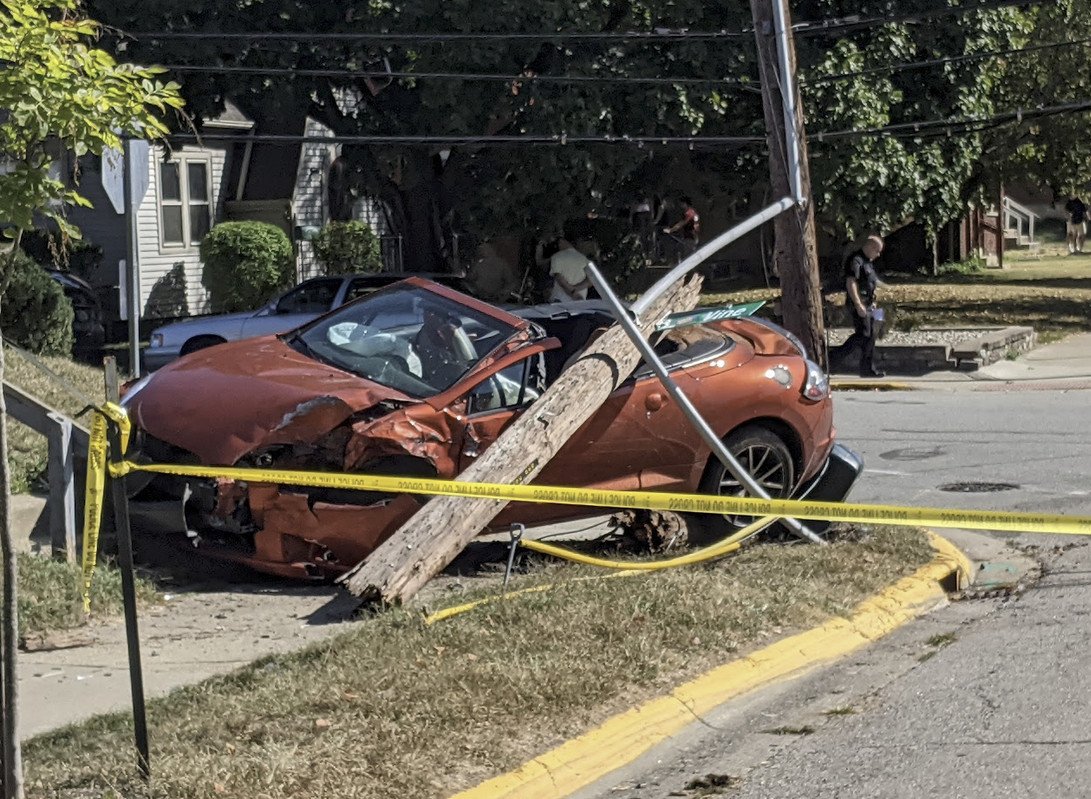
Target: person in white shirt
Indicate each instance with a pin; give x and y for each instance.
(567, 267)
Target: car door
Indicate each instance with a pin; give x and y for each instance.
(293, 308)
(490, 408)
(639, 438)
(496, 401)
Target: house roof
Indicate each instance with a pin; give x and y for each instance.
(231, 118)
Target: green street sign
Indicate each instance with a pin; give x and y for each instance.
(704, 315)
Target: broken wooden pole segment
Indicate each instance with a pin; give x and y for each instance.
(438, 532)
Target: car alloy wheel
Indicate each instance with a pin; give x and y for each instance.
(762, 453)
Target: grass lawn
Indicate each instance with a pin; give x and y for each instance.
(1051, 293)
(27, 455)
(49, 595)
(397, 709)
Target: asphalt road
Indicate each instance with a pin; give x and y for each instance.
(983, 698)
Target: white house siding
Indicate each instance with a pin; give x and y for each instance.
(310, 204)
(158, 262)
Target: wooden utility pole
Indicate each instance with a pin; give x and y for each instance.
(437, 533)
(795, 252)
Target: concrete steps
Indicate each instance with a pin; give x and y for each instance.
(993, 345)
(980, 347)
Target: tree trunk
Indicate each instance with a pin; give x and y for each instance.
(437, 533)
(414, 197)
(9, 607)
(796, 252)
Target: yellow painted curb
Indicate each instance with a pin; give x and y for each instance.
(623, 738)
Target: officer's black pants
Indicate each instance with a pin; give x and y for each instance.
(863, 337)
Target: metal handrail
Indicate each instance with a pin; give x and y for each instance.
(1022, 216)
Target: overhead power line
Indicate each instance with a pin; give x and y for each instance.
(923, 128)
(820, 80)
(805, 28)
(943, 126)
(553, 139)
(465, 76)
(853, 23)
(661, 35)
(742, 84)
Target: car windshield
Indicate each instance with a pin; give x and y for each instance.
(409, 339)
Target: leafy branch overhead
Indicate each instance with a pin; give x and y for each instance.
(860, 181)
(61, 94)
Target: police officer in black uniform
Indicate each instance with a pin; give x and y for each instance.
(861, 282)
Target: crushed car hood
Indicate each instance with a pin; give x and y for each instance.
(226, 401)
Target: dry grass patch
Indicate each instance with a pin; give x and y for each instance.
(394, 708)
(27, 456)
(50, 600)
(1052, 295)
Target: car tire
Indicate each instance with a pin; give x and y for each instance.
(752, 445)
(201, 343)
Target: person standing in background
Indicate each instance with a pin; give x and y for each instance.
(567, 267)
(861, 284)
(688, 227)
(1077, 224)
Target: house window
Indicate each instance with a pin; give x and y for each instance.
(185, 201)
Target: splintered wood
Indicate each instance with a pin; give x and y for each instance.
(436, 534)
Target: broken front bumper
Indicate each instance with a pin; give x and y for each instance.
(833, 483)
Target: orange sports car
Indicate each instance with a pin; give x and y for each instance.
(418, 380)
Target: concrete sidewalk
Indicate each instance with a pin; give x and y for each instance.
(1066, 363)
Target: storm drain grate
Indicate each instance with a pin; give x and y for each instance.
(978, 488)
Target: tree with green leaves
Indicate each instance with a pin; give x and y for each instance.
(880, 182)
(479, 189)
(1054, 151)
(59, 93)
(860, 182)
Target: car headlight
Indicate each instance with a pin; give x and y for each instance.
(817, 385)
(157, 340)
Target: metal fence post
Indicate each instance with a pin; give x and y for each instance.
(128, 584)
(62, 489)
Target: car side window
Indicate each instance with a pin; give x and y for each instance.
(512, 387)
(361, 287)
(314, 296)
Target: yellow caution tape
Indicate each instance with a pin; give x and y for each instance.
(96, 484)
(717, 550)
(627, 568)
(896, 515)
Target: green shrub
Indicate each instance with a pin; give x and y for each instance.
(245, 263)
(970, 266)
(344, 247)
(34, 312)
(78, 256)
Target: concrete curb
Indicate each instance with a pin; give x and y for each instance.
(870, 385)
(625, 737)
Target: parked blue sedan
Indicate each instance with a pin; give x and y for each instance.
(295, 307)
